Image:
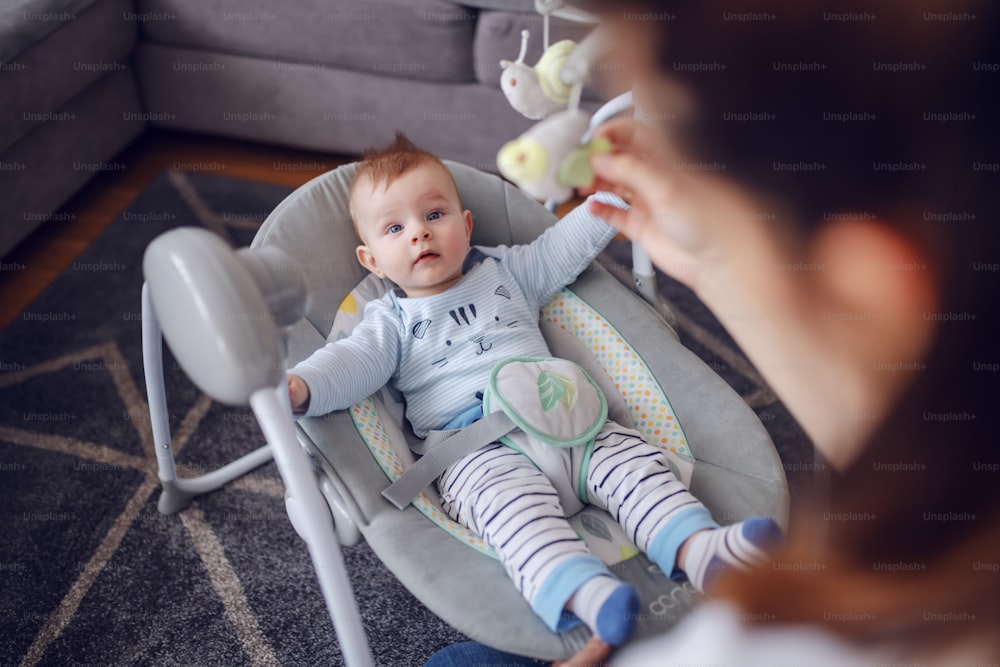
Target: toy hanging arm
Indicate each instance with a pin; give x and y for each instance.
(579, 62)
(561, 10)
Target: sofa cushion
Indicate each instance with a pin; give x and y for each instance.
(76, 53)
(321, 108)
(506, 5)
(427, 40)
(48, 164)
(27, 22)
(498, 37)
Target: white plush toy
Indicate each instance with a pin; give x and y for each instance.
(537, 92)
(548, 160)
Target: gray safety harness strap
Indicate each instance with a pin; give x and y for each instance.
(418, 476)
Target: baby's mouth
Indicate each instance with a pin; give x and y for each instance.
(426, 256)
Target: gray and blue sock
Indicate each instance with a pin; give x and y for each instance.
(608, 607)
(740, 546)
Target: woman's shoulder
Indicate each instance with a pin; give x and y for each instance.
(719, 633)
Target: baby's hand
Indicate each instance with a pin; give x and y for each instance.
(298, 393)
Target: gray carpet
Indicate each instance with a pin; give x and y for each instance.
(91, 573)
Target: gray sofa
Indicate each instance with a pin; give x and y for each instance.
(82, 78)
(70, 104)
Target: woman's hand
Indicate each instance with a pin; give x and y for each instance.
(687, 221)
(709, 234)
(591, 655)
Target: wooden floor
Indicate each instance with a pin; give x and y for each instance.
(52, 247)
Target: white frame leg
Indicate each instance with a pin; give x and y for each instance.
(178, 493)
(309, 514)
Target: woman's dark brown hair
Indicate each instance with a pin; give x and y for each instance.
(889, 110)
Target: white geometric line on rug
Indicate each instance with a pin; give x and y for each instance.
(130, 396)
(16, 377)
(190, 196)
(248, 482)
(263, 485)
(209, 218)
(189, 424)
(135, 406)
(97, 453)
(203, 538)
(228, 587)
(127, 391)
(63, 614)
(90, 451)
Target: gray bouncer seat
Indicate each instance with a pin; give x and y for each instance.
(713, 439)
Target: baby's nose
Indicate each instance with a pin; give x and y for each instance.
(421, 233)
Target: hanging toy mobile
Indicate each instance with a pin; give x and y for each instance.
(537, 92)
(549, 160)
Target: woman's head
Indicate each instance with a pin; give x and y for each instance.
(859, 126)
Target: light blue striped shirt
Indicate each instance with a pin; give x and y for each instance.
(439, 350)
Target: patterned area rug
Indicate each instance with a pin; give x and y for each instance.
(91, 573)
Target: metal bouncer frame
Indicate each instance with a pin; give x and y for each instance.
(309, 501)
(307, 508)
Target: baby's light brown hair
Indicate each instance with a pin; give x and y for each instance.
(384, 165)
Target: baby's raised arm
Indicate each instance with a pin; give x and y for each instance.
(343, 372)
(558, 256)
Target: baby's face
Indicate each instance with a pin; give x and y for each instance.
(414, 231)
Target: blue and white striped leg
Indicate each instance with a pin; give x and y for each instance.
(498, 493)
(632, 480)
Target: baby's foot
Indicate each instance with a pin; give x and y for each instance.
(608, 607)
(741, 546)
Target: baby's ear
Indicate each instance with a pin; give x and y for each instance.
(467, 214)
(367, 260)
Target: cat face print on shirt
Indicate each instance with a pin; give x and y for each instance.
(467, 330)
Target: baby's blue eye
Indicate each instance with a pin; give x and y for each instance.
(435, 215)
(394, 229)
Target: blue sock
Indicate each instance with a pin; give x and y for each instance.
(741, 546)
(616, 619)
(608, 607)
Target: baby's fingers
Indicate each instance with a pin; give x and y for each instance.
(614, 216)
(297, 391)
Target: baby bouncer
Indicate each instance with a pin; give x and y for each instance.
(235, 320)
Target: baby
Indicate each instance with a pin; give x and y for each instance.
(455, 312)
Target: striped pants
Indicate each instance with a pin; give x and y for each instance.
(503, 496)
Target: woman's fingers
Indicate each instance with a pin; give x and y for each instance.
(634, 225)
(591, 655)
(630, 177)
(632, 136)
(621, 132)
(631, 139)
